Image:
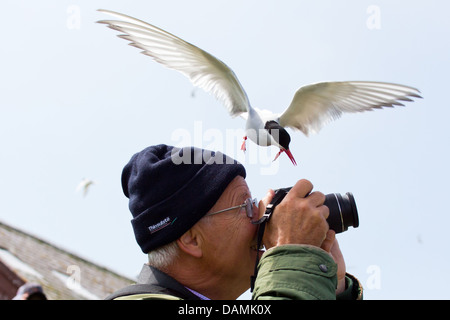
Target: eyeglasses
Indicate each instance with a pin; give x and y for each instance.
(248, 205)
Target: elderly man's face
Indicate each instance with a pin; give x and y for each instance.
(231, 247)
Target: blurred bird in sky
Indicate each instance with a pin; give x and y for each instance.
(312, 107)
(84, 186)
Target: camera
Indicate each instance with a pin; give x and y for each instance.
(343, 211)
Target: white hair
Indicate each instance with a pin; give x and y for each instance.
(164, 256)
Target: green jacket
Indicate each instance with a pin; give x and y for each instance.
(298, 272)
(289, 272)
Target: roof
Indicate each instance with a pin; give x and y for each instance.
(63, 275)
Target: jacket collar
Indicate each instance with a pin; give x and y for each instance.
(155, 277)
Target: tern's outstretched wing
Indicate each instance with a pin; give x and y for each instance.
(315, 105)
(203, 69)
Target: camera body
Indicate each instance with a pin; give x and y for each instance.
(343, 211)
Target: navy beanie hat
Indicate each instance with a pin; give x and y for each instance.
(170, 189)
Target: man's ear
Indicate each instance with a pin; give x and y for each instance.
(190, 243)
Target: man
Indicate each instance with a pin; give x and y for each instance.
(30, 291)
(192, 213)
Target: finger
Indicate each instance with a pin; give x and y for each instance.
(327, 244)
(336, 251)
(301, 189)
(325, 211)
(317, 198)
(264, 202)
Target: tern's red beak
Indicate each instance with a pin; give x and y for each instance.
(291, 157)
(289, 154)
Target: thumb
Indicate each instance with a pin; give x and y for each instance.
(264, 202)
(328, 242)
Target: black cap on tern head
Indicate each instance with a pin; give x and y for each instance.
(281, 136)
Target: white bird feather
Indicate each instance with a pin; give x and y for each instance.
(315, 105)
(202, 69)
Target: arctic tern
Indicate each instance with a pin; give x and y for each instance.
(312, 107)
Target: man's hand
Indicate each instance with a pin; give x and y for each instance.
(299, 219)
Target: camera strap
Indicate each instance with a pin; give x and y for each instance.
(277, 198)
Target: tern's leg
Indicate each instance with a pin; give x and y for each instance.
(278, 154)
(243, 148)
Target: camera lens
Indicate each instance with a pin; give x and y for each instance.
(343, 211)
